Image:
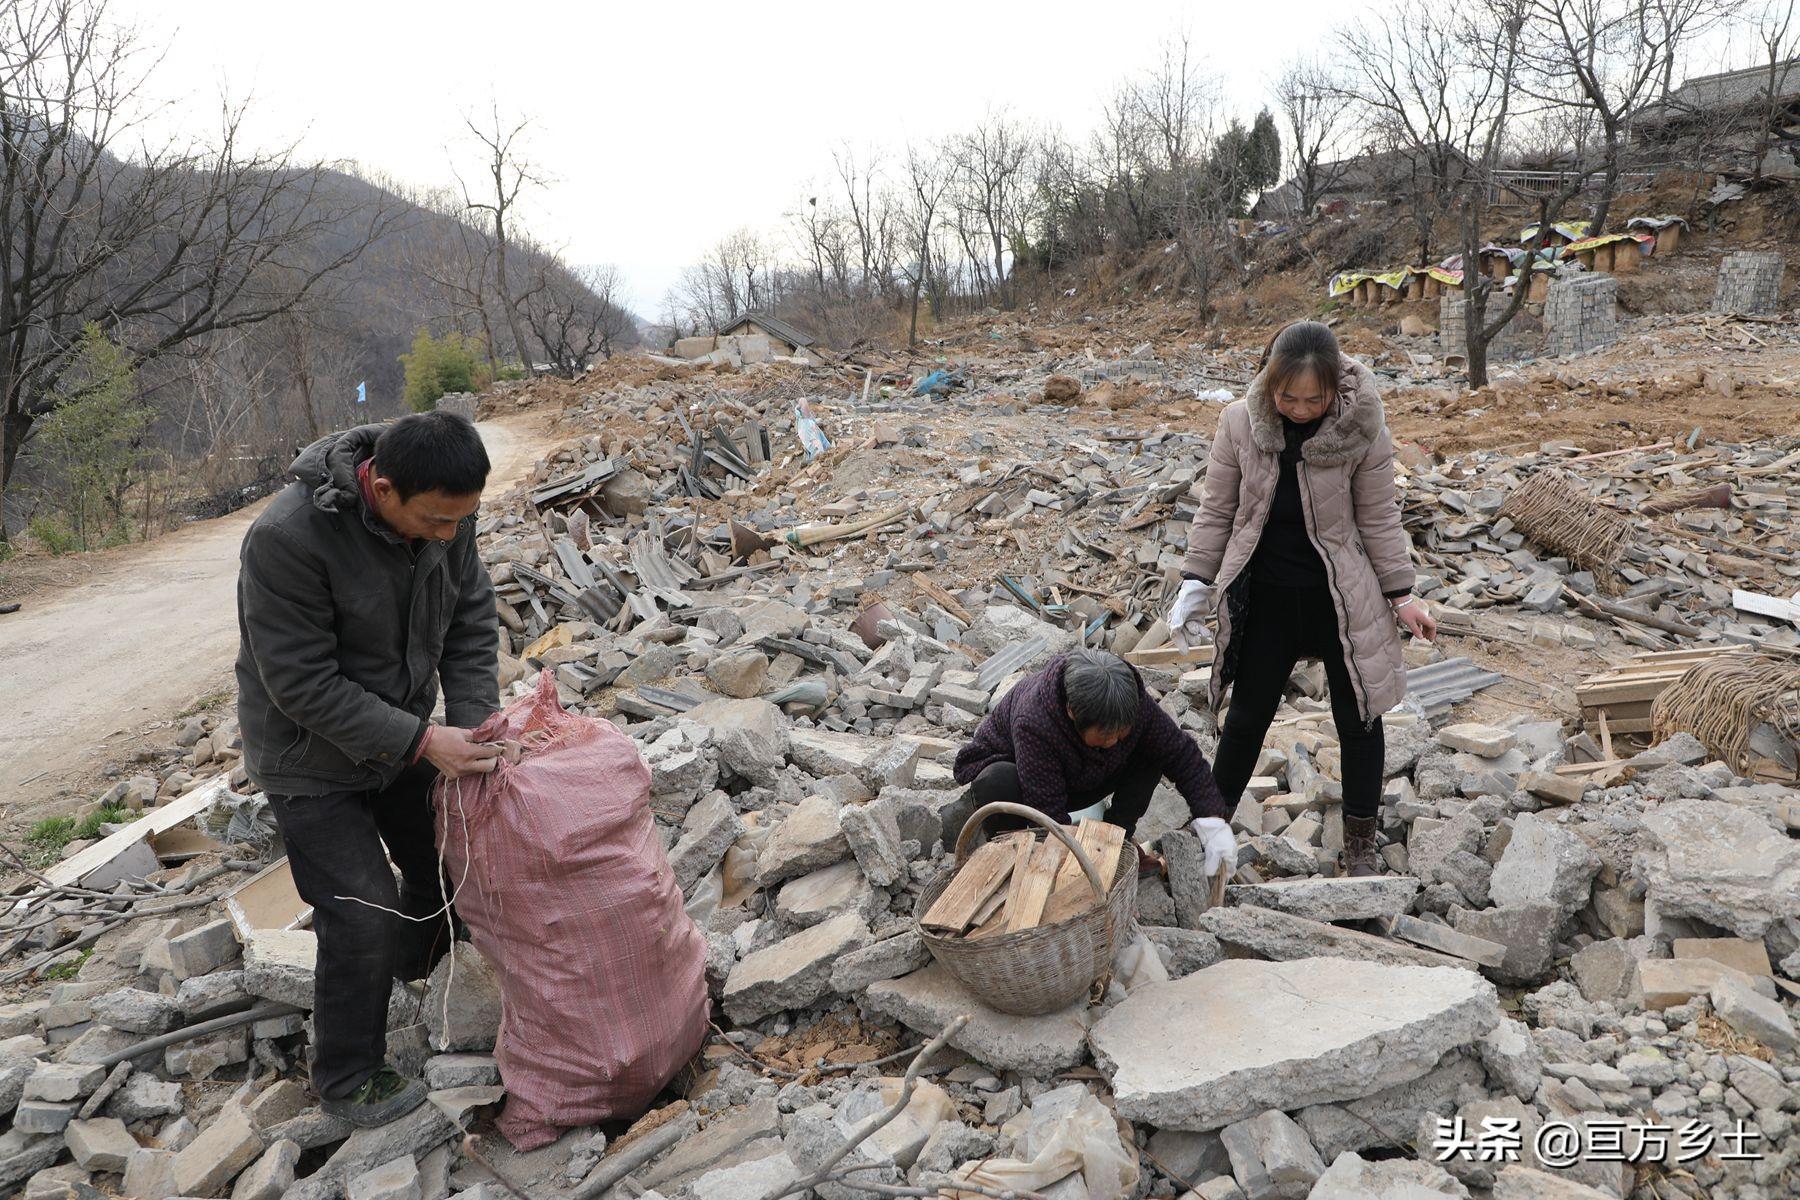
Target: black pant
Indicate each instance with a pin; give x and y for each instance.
(335, 848)
(1284, 626)
(1131, 790)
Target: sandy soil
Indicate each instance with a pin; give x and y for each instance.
(104, 655)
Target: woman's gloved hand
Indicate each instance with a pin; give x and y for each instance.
(1218, 841)
(1187, 618)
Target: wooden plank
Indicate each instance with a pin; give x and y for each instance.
(1765, 606)
(178, 811)
(1171, 656)
(1072, 893)
(267, 900)
(1031, 886)
(942, 596)
(1621, 724)
(986, 871)
(1605, 736)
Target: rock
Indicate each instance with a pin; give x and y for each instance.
(794, 972)
(1062, 389)
(810, 838)
(462, 1001)
(43, 1116)
(1351, 1177)
(1359, 1124)
(928, 1000)
(1669, 981)
(204, 950)
(1271, 1157)
(1529, 932)
(1184, 951)
(411, 1135)
(396, 1179)
(873, 831)
(1759, 1083)
(136, 1011)
(1544, 863)
(1431, 843)
(1413, 325)
(1310, 1031)
(889, 958)
(626, 493)
(461, 1070)
(60, 1083)
(1607, 973)
(1753, 1015)
(707, 832)
(757, 1178)
(270, 1176)
(1488, 741)
(1557, 789)
(1511, 1058)
(1331, 899)
(735, 1136)
(1516, 1182)
(1271, 933)
(1727, 865)
(100, 1144)
(817, 897)
(740, 674)
(279, 963)
(214, 1158)
(281, 1101)
(150, 1173)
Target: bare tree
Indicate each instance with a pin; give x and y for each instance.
(1680, 21)
(158, 249)
(508, 174)
(927, 176)
(1780, 43)
(991, 180)
(1313, 109)
(574, 313)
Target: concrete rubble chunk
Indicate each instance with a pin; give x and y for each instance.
(1488, 741)
(1511, 1058)
(279, 965)
(1351, 1177)
(756, 1178)
(707, 832)
(462, 1001)
(809, 838)
(821, 895)
(1282, 936)
(1669, 981)
(889, 958)
(1528, 931)
(1725, 864)
(1286, 1034)
(1271, 1157)
(396, 1179)
(60, 1083)
(1752, 1015)
(415, 1133)
(1358, 1124)
(213, 1159)
(738, 1135)
(751, 736)
(1544, 863)
(928, 1000)
(1515, 1182)
(204, 950)
(100, 1144)
(136, 1011)
(1331, 899)
(150, 1173)
(794, 972)
(873, 832)
(270, 1176)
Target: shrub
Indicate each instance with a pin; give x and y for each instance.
(50, 533)
(89, 446)
(439, 365)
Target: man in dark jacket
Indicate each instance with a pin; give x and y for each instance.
(1081, 730)
(360, 589)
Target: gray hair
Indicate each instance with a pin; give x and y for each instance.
(1102, 690)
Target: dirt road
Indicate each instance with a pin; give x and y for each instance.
(93, 670)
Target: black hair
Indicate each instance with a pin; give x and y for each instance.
(1102, 690)
(1300, 347)
(432, 452)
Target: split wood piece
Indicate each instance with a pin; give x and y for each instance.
(976, 881)
(1625, 612)
(942, 597)
(1031, 885)
(812, 535)
(993, 916)
(1072, 892)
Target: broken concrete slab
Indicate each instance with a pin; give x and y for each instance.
(809, 899)
(1360, 1124)
(1271, 1157)
(738, 1135)
(1516, 1182)
(1488, 741)
(1529, 932)
(928, 1000)
(100, 1143)
(751, 736)
(213, 1159)
(271, 1176)
(889, 958)
(1544, 863)
(809, 838)
(462, 1001)
(1727, 865)
(1281, 936)
(1670, 981)
(1754, 1016)
(795, 971)
(873, 831)
(1351, 1177)
(1284, 1034)
(1331, 899)
(707, 832)
(279, 965)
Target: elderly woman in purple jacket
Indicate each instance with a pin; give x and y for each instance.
(1084, 729)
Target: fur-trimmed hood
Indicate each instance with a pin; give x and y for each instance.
(1351, 423)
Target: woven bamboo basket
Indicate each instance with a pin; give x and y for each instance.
(1050, 967)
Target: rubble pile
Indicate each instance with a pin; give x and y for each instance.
(1581, 938)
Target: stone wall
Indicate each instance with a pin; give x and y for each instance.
(460, 403)
(1581, 314)
(1518, 340)
(1749, 282)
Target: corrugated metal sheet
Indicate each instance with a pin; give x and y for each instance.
(1008, 660)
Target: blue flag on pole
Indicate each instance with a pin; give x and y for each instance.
(362, 396)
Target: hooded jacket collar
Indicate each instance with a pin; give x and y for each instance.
(327, 469)
(1350, 426)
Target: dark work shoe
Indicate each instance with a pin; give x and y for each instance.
(384, 1096)
(1360, 858)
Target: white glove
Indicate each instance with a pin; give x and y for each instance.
(1187, 619)
(1219, 842)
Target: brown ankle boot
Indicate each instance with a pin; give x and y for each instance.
(1359, 857)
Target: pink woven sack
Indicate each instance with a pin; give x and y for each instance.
(559, 873)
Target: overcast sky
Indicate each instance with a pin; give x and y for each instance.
(664, 126)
